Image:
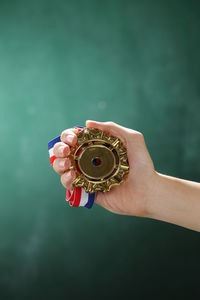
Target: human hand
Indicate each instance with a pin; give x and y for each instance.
(133, 195)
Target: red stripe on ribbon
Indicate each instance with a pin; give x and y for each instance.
(77, 197)
(79, 129)
(52, 158)
(68, 195)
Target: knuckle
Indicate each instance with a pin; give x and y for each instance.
(61, 149)
(59, 165)
(71, 134)
(63, 181)
(136, 134)
(140, 135)
(55, 148)
(63, 133)
(110, 123)
(55, 165)
(66, 180)
(68, 131)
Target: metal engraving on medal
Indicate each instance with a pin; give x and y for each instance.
(99, 161)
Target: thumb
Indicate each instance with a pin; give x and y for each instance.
(111, 128)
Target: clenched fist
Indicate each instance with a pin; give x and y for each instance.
(131, 197)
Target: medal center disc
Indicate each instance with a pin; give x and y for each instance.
(96, 162)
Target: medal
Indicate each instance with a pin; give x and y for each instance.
(99, 161)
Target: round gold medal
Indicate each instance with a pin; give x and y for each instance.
(99, 161)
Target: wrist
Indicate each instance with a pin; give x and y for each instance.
(175, 201)
(144, 195)
(165, 200)
(156, 196)
(152, 193)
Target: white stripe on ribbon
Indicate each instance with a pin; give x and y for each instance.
(51, 152)
(84, 198)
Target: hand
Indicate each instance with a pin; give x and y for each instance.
(132, 196)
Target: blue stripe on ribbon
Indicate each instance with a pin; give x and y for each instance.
(79, 127)
(53, 142)
(91, 198)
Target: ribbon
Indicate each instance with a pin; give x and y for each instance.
(78, 196)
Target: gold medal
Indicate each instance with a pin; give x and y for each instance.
(99, 161)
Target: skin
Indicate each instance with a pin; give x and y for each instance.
(145, 192)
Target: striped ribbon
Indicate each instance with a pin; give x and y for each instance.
(78, 196)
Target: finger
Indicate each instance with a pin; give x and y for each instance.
(115, 130)
(61, 165)
(110, 127)
(69, 136)
(61, 150)
(67, 178)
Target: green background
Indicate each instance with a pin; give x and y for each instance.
(63, 62)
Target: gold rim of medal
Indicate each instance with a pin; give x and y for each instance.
(99, 161)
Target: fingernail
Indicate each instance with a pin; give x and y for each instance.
(70, 139)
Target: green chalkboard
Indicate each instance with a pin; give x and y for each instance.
(62, 62)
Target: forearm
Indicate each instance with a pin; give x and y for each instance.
(176, 201)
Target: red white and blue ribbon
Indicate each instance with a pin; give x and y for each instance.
(78, 196)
